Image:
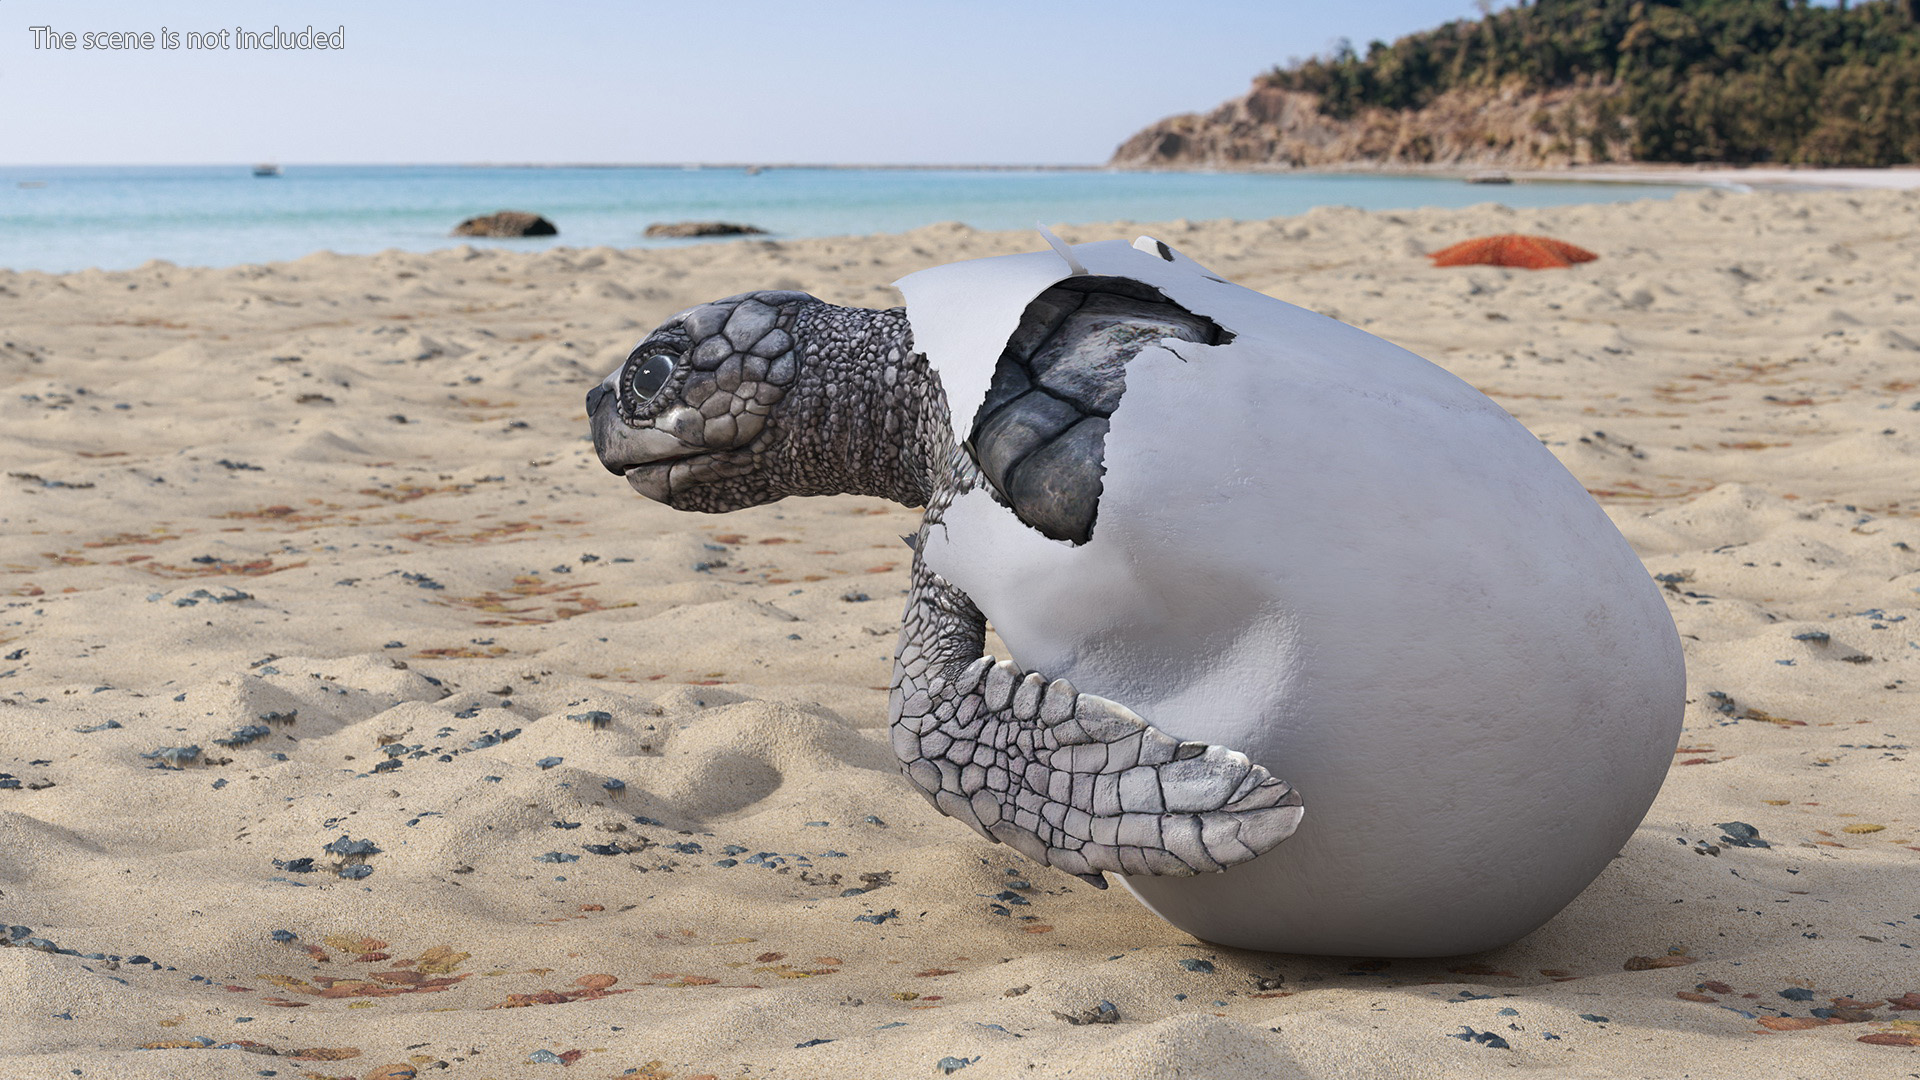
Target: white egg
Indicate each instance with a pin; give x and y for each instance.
(1321, 550)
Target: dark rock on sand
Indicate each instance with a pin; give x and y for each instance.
(506, 223)
(677, 229)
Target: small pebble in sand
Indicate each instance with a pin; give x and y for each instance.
(348, 848)
(243, 735)
(1104, 1013)
(492, 738)
(1740, 834)
(1484, 1038)
(173, 757)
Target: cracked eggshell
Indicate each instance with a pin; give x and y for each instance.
(1317, 548)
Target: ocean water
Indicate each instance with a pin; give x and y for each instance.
(60, 218)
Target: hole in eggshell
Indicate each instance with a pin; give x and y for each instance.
(1040, 436)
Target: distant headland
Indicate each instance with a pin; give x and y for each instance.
(1557, 83)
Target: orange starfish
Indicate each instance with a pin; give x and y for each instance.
(1513, 249)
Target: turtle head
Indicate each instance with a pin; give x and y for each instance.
(686, 418)
(759, 396)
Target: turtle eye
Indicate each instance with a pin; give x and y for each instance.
(650, 377)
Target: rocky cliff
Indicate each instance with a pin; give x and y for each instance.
(1484, 127)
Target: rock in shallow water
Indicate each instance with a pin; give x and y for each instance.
(682, 229)
(506, 223)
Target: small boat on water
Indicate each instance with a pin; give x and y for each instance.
(1493, 176)
(268, 169)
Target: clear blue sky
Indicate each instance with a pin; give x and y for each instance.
(907, 81)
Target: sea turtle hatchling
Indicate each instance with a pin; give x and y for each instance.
(1295, 549)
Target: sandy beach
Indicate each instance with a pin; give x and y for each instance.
(1903, 178)
(358, 724)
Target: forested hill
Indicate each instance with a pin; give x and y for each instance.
(1576, 81)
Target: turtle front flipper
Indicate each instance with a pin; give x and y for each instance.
(1068, 779)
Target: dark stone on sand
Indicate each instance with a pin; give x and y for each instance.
(1484, 1038)
(682, 229)
(1741, 834)
(506, 223)
(1103, 1013)
(348, 848)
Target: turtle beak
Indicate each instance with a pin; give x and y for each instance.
(595, 396)
(630, 451)
(601, 419)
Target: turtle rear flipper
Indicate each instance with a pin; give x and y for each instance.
(1068, 779)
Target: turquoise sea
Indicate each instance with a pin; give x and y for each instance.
(61, 218)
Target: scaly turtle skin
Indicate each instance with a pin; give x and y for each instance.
(764, 395)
